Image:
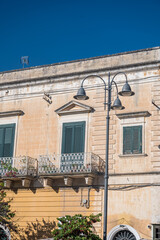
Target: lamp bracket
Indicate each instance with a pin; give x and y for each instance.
(108, 104)
(153, 102)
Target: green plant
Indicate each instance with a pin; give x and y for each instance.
(6, 214)
(77, 227)
(10, 171)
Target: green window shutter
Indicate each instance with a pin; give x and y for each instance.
(1, 141)
(137, 140)
(127, 140)
(9, 141)
(79, 137)
(73, 137)
(67, 139)
(132, 140)
(7, 133)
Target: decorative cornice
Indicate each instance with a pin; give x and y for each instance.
(133, 115)
(84, 59)
(70, 108)
(144, 58)
(11, 113)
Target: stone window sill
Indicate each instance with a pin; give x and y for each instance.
(133, 155)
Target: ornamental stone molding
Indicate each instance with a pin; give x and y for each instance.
(74, 107)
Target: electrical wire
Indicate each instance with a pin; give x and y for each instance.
(133, 187)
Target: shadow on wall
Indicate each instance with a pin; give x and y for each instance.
(35, 231)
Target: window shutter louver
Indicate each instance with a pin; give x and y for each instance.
(132, 140)
(7, 140)
(67, 140)
(127, 140)
(137, 139)
(1, 141)
(73, 137)
(79, 137)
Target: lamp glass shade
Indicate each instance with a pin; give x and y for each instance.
(81, 94)
(126, 90)
(117, 105)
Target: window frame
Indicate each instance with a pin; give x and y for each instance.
(73, 125)
(73, 118)
(131, 122)
(5, 127)
(6, 230)
(12, 120)
(132, 128)
(154, 227)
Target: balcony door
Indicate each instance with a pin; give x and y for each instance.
(73, 137)
(73, 142)
(7, 133)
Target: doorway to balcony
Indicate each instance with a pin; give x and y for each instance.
(73, 142)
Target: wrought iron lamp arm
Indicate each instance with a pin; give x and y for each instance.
(115, 85)
(118, 74)
(105, 89)
(93, 75)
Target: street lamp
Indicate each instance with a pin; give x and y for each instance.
(117, 105)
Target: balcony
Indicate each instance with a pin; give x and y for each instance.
(21, 168)
(66, 167)
(72, 163)
(71, 166)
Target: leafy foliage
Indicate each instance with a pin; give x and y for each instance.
(77, 227)
(11, 171)
(6, 214)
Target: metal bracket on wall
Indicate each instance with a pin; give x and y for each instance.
(153, 102)
(47, 98)
(85, 202)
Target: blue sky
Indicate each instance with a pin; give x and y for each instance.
(51, 31)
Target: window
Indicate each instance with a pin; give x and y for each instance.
(7, 133)
(73, 137)
(132, 140)
(4, 233)
(132, 134)
(123, 232)
(156, 231)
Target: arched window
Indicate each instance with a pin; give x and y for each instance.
(123, 232)
(4, 233)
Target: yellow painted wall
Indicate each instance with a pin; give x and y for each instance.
(49, 205)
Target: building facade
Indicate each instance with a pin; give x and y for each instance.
(57, 143)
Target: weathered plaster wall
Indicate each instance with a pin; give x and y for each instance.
(38, 133)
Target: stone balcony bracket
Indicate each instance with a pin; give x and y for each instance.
(47, 182)
(26, 182)
(7, 183)
(89, 180)
(68, 181)
(11, 182)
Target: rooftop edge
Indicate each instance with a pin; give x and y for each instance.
(80, 60)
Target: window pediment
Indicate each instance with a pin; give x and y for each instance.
(133, 115)
(73, 107)
(11, 113)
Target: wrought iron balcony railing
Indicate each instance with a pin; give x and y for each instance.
(70, 163)
(51, 165)
(18, 166)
